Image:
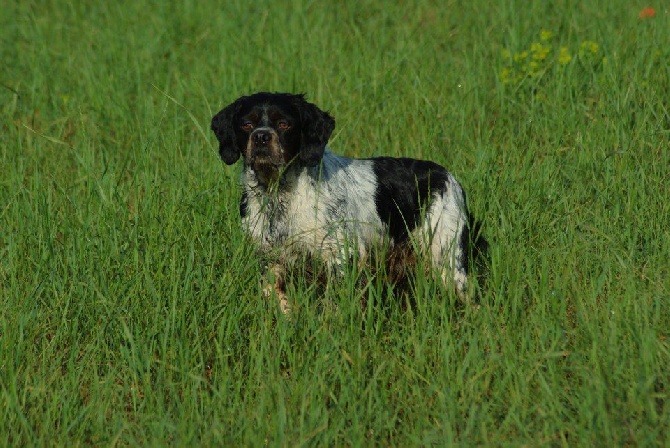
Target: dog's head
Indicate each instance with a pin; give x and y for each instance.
(271, 131)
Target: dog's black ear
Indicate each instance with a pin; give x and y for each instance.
(223, 125)
(317, 126)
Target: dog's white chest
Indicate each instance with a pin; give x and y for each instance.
(330, 212)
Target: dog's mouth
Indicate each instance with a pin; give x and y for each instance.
(267, 169)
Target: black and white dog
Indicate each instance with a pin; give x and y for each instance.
(300, 198)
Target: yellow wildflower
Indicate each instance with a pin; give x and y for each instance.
(564, 56)
(539, 51)
(545, 35)
(506, 54)
(505, 75)
(518, 57)
(590, 46)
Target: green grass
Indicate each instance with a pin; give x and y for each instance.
(130, 310)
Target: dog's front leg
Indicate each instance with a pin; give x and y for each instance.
(274, 286)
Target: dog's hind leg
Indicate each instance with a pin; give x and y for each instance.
(446, 235)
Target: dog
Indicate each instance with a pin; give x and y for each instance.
(299, 198)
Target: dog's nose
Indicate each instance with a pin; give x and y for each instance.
(262, 138)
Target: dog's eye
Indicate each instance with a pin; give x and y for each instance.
(247, 126)
(283, 125)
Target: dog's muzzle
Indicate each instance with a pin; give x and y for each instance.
(263, 144)
(264, 154)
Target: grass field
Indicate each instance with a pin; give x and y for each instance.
(130, 310)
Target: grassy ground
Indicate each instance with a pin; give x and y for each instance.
(129, 303)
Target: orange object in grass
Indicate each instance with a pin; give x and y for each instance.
(647, 12)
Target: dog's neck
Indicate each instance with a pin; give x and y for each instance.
(292, 175)
(284, 184)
